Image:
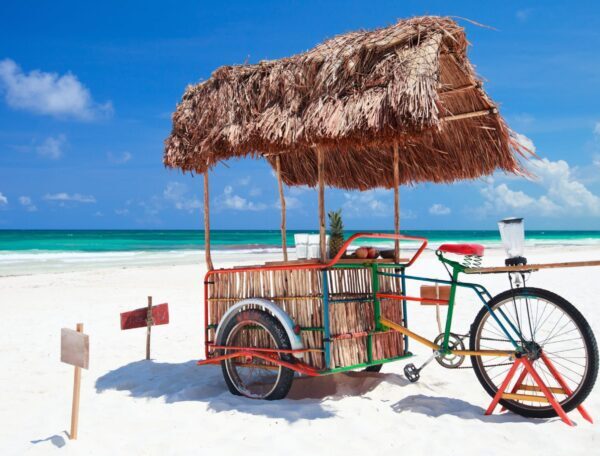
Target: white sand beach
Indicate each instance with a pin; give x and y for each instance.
(171, 406)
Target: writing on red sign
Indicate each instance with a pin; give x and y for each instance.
(138, 318)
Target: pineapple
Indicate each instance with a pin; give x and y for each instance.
(336, 232)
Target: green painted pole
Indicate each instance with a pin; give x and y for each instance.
(455, 272)
(376, 303)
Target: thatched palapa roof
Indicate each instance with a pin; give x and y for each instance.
(355, 96)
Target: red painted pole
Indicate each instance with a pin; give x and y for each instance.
(553, 402)
(564, 386)
(503, 387)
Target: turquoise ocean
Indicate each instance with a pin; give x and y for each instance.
(29, 251)
(252, 240)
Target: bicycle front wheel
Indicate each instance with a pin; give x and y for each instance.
(548, 325)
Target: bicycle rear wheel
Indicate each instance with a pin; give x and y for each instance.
(548, 324)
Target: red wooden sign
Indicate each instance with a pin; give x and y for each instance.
(137, 318)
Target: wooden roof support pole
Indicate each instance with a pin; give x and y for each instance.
(209, 263)
(396, 201)
(321, 178)
(282, 202)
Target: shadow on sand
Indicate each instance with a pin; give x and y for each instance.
(187, 382)
(436, 406)
(310, 397)
(57, 440)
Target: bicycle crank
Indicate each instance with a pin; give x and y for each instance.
(449, 360)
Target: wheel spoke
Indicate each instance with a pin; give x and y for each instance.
(554, 327)
(565, 340)
(563, 334)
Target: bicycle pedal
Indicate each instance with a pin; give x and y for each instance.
(412, 373)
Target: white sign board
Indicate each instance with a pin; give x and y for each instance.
(74, 348)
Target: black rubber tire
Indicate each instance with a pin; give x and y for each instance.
(373, 368)
(588, 337)
(274, 327)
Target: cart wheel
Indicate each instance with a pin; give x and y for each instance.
(548, 324)
(373, 368)
(256, 378)
(412, 373)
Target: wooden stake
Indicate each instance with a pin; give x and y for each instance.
(396, 201)
(321, 176)
(76, 395)
(209, 263)
(149, 323)
(282, 201)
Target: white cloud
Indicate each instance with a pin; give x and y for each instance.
(152, 208)
(230, 200)
(244, 180)
(563, 188)
(291, 202)
(501, 199)
(523, 14)
(563, 193)
(48, 93)
(3, 200)
(299, 190)
(52, 147)
(27, 203)
(525, 142)
(523, 120)
(66, 197)
(439, 209)
(119, 159)
(177, 194)
(122, 211)
(595, 145)
(360, 204)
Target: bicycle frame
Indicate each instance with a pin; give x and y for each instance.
(454, 283)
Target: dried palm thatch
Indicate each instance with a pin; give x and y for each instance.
(356, 96)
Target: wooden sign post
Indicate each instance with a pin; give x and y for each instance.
(146, 317)
(149, 323)
(75, 350)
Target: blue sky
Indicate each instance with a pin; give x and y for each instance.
(86, 93)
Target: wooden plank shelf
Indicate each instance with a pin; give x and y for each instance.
(341, 261)
(531, 267)
(292, 262)
(368, 261)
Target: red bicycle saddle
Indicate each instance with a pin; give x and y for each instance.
(463, 249)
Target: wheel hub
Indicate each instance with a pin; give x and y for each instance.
(532, 350)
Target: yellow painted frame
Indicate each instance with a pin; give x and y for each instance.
(407, 332)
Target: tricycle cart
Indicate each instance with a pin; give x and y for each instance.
(360, 111)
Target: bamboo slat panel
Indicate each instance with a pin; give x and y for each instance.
(347, 352)
(389, 344)
(299, 294)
